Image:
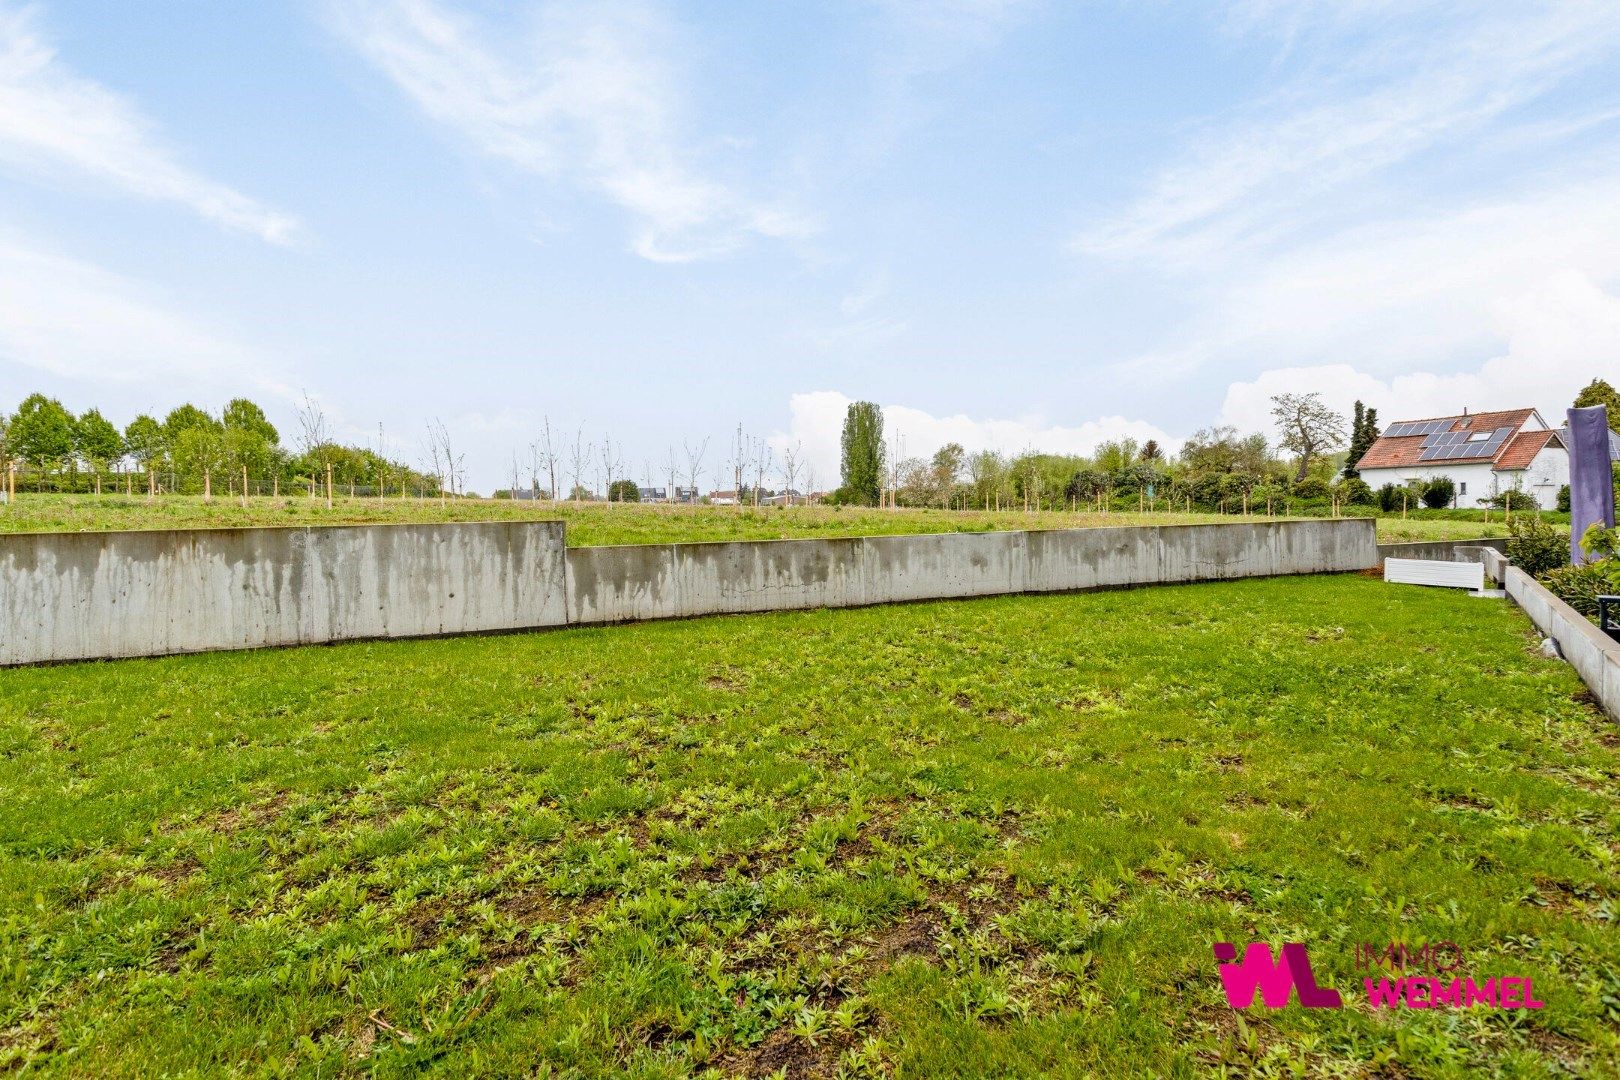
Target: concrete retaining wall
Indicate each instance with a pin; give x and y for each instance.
(1443, 550)
(622, 584)
(77, 596)
(1593, 654)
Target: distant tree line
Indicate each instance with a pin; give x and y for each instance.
(192, 450)
(1218, 468)
(1310, 465)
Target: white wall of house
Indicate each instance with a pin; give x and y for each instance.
(1548, 472)
(1472, 481)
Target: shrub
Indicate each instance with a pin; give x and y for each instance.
(1536, 546)
(1513, 499)
(1578, 586)
(623, 491)
(1355, 490)
(1312, 487)
(1389, 497)
(1438, 493)
(1563, 499)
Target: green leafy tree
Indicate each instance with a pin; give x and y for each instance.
(1599, 392)
(243, 415)
(623, 491)
(198, 450)
(944, 470)
(41, 434)
(1222, 449)
(145, 441)
(863, 453)
(184, 418)
(1115, 457)
(97, 440)
(248, 441)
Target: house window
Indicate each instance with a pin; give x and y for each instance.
(1462, 488)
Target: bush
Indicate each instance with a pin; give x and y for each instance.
(1439, 492)
(1312, 487)
(1513, 500)
(623, 491)
(1536, 546)
(1389, 498)
(1578, 586)
(1354, 490)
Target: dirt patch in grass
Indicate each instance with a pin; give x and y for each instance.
(784, 1053)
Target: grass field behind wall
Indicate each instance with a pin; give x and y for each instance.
(601, 523)
(994, 837)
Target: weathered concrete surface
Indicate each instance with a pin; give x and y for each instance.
(1104, 558)
(74, 596)
(1443, 550)
(932, 566)
(769, 575)
(622, 584)
(1592, 653)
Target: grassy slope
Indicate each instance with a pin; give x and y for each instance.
(603, 524)
(992, 836)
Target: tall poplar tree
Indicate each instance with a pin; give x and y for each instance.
(863, 453)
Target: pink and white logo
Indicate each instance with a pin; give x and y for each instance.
(1276, 979)
(1279, 978)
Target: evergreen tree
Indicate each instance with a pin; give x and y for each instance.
(1363, 433)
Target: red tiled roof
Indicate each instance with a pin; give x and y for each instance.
(1522, 449)
(1389, 453)
(1514, 453)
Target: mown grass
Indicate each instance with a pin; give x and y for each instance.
(600, 523)
(995, 837)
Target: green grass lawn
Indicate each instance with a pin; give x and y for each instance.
(972, 838)
(599, 523)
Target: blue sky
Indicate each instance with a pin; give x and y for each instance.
(1010, 222)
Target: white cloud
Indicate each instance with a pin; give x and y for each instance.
(1422, 290)
(817, 423)
(1564, 333)
(589, 98)
(53, 121)
(76, 320)
(1305, 233)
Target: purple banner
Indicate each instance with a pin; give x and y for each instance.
(1591, 475)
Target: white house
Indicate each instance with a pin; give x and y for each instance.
(1483, 454)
